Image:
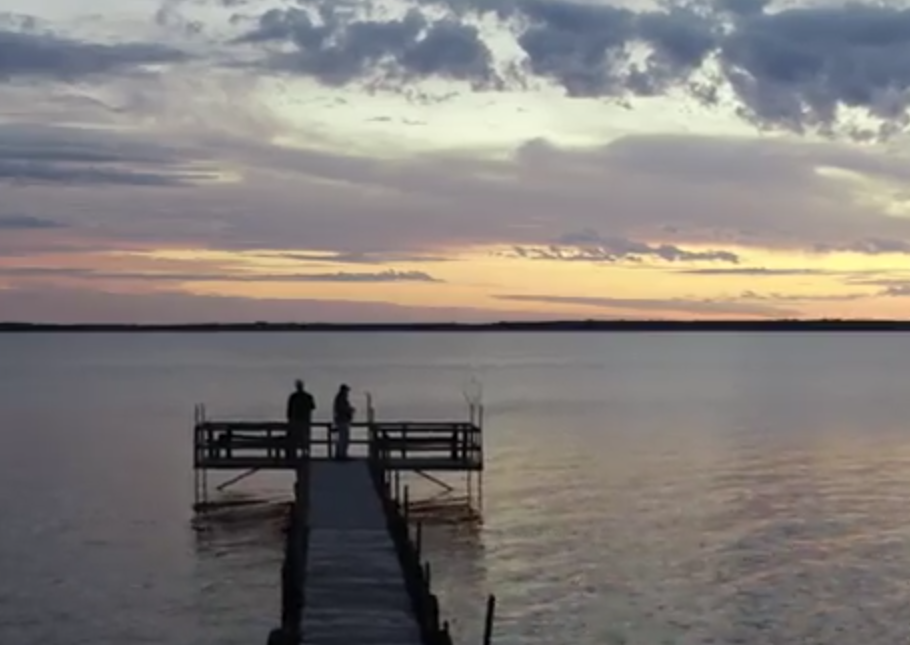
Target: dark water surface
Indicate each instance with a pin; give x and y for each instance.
(641, 488)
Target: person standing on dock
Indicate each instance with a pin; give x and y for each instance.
(343, 415)
(300, 417)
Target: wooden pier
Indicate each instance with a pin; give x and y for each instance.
(355, 590)
(353, 570)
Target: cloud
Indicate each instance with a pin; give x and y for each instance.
(382, 276)
(356, 258)
(753, 271)
(659, 197)
(220, 276)
(897, 290)
(589, 246)
(868, 246)
(815, 297)
(796, 68)
(41, 55)
(75, 305)
(27, 222)
(586, 48)
(676, 305)
(896, 287)
(336, 49)
(44, 154)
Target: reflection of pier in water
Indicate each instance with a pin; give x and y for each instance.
(353, 554)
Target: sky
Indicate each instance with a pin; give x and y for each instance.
(453, 160)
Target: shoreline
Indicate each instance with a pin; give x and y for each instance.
(815, 325)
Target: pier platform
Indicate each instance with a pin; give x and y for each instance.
(410, 445)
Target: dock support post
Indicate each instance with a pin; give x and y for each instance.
(488, 621)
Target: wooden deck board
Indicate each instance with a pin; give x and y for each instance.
(355, 593)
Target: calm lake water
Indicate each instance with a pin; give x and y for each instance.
(641, 488)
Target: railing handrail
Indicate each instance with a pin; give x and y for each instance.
(260, 424)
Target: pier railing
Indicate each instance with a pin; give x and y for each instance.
(425, 604)
(409, 547)
(401, 445)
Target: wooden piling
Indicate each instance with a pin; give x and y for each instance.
(488, 621)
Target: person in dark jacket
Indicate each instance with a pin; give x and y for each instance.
(300, 417)
(343, 414)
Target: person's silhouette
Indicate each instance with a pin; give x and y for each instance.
(300, 417)
(343, 414)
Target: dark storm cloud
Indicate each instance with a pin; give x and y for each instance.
(336, 49)
(27, 222)
(34, 54)
(678, 305)
(38, 154)
(794, 68)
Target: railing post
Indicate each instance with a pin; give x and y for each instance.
(406, 508)
(434, 610)
(488, 621)
(418, 540)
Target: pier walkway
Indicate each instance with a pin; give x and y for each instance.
(355, 590)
